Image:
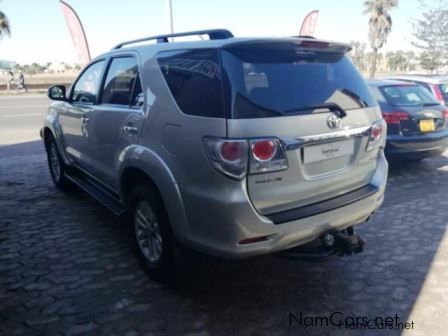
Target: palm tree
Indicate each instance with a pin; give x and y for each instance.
(380, 25)
(5, 27)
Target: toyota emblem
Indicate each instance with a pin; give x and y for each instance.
(334, 121)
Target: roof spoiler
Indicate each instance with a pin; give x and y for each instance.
(213, 34)
(303, 42)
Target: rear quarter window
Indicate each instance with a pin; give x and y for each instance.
(194, 78)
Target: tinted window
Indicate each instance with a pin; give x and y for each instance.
(425, 85)
(86, 88)
(194, 79)
(137, 93)
(120, 81)
(268, 80)
(444, 90)
(409, 95)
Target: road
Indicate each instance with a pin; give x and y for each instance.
(67, 266)
(21, 117)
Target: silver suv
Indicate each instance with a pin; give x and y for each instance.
(234, 147)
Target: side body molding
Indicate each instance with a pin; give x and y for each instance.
(153, 165)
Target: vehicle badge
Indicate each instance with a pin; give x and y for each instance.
(334, 121)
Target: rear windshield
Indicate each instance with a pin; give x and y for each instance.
(271, 80)
(408, 95)
(261, 80)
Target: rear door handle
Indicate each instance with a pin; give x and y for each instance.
(130, 129)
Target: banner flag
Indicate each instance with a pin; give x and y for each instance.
(77, 32)
(309, 24)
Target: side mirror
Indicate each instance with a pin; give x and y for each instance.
(57, 92)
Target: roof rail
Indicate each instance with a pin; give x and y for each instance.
(213, 34)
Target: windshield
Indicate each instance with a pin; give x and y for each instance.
(272, 80)
(408, 95)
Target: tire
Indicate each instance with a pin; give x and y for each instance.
(151, 234)
(56, 165)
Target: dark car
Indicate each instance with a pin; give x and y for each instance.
(436, 84)
(417, 124)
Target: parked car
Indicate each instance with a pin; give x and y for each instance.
(417, 124)
(437, 85)
(235, 147)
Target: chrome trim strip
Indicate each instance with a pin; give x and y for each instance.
(299, 142)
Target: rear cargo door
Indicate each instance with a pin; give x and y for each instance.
(317, 104)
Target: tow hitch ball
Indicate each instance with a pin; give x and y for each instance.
(345, 242)
(330, 244)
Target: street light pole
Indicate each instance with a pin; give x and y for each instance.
(169, 10)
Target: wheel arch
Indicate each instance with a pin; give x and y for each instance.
(142, 164)
(132, 176)
(46, 133)
(51, 127)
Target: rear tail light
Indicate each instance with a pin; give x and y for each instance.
(445, 114)
(264, 150)
(228, 156)
(395, 117)
(377, 135)
(231, 157)
(267, 155)
(232, 151)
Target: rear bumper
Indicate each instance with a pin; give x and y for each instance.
(324, 206)
(218, 220)
(416, 146)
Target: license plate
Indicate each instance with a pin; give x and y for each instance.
(329, 151)
(427, 125)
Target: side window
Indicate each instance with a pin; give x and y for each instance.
(194, 78)
(137, 94)
(120, 81)
(86, 88)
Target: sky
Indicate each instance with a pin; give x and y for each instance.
(40, 33)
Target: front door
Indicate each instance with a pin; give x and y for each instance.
(77, 112)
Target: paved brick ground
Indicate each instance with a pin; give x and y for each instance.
(66, 267)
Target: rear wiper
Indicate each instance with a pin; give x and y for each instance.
(355, 97)
(333, 107)
(430, 104)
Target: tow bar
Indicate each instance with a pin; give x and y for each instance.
(329, 245)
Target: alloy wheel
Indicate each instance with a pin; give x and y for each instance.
(147, 231)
